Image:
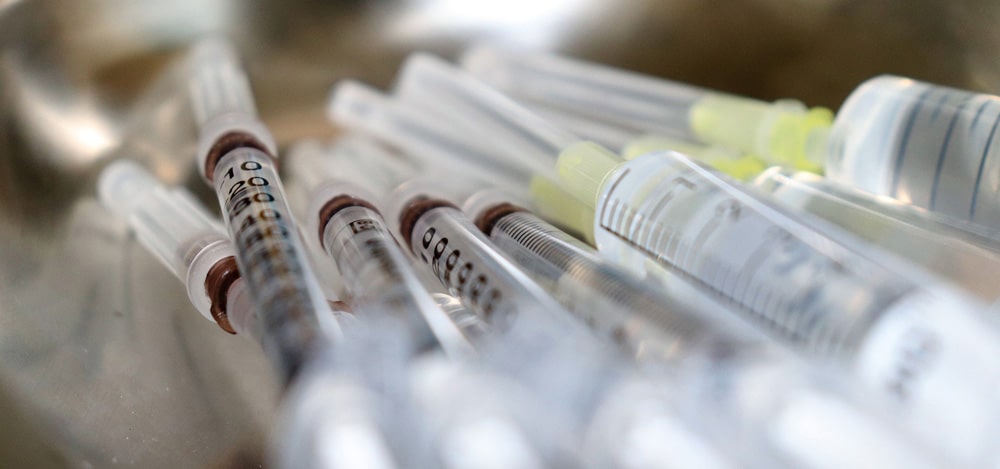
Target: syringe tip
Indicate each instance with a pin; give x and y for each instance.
(582, 168)
(122, 185)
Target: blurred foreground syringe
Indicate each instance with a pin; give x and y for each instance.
(915, 343)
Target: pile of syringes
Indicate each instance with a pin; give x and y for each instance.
(524, 260)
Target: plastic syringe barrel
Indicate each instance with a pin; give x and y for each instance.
(238, 159)
(168, 222)
(525, 138)
(931, 240)
(272, 258)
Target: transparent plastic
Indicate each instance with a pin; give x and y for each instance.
(479, 419)
(378, 275)
(221, 97)
(728, 160)
(169, 223)
(436, 84)
(924, 144)
(925, 238)
(361, 108)
(605, 133)
(352, 157)
(271, 259)
(811, 285)
(472, 326)
(464, 261)
(338, 414)
(784, 132)
(656, 327)
(622, 307)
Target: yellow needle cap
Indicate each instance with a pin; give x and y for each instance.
(560, 208)
(582, 168)
(728, 160)
(781, 133)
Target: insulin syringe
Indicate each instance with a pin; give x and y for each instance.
(958, 251)
(236, 156)
(915, 343)
(783, 132)
(187, 240)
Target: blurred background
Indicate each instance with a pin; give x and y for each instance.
(102, 359)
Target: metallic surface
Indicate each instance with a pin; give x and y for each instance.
(102, 359)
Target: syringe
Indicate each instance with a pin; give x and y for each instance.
(821, 293)
(191, 243)
(236, 156)
(783, 132)
(953, 249)
(924, 144)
